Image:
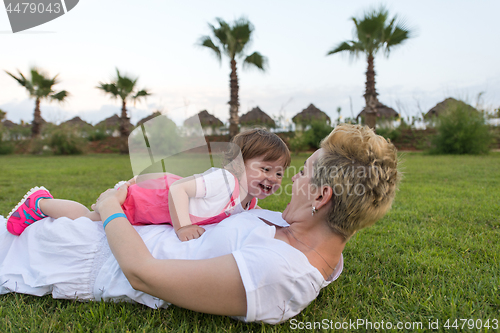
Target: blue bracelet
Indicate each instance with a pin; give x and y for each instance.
(112, 217)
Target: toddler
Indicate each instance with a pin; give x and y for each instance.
(186, 203)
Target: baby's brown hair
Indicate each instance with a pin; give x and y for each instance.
(260, 142)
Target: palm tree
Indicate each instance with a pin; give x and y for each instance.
(373, 32)
(39, 87)
(233, 42)
(123, 87)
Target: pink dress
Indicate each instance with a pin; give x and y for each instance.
(148, 203)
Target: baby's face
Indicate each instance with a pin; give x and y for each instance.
(263, 177)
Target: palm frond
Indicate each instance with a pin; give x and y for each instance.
(241, 33)
(372, 32)
(396, 33)
(41, 79)
(123, 86)
(60, 96)
(118, 73)
(222, 33)
(23, 77)
(347, 46)
(109, 88)
(42, 84)
(397, 37)
(23, 82)
(232, 40)
(141, 93)
(39, 85)
(256, 60)
(36, 75)
(206, 41)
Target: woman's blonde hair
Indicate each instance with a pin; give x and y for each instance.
(361, 168)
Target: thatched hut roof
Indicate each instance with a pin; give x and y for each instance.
(151, 116)
(9, 124)
(77, 122)
(257, 117)
(43, 121)
(447, 103)
(310, 114)
(206, 120)
(113, 121)
(383, 111)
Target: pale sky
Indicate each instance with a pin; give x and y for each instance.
(454, 53)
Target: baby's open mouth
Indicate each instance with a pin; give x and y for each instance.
(265, 188)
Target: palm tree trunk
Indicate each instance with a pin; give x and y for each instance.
(124, 129)
(36, 127)
(370, 95)
(233, 102)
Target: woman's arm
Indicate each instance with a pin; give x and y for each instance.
(211, 286)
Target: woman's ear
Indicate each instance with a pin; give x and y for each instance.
(324, 196)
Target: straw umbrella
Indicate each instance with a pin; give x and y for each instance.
(257, 117)
(148, 118)
(382, 112)
(209, 122)
(308, 115)
(439, 108)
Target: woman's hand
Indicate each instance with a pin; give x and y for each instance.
(119, 195)
(189, 232)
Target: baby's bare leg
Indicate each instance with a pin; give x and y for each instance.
(56, 208)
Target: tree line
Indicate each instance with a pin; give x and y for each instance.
(374, 31)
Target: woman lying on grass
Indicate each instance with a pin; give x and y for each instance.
(257, 266)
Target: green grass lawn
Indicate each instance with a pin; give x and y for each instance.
(435, 256)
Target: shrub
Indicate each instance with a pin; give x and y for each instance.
(19, 132)
(97, 135)
(34, 146)
(298, 143)
(317, 132)
(394, 134)
(350, 120)
(6, 147)
(461, 130)
(311, 138)
(65, 142)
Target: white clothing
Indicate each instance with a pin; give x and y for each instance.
(213, 192)
(72, 260)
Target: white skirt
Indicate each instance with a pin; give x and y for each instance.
(71, 259)
(54, 257)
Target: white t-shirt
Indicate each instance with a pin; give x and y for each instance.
(213, 192)
(279, 280)
(71, 259)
